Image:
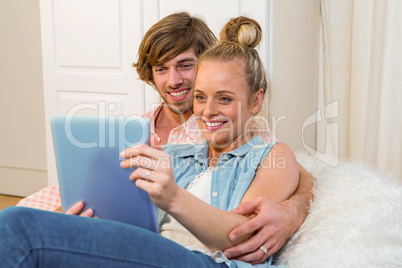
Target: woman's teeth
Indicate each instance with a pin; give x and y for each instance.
(179, 94)
(213, 124)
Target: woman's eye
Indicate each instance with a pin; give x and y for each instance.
(225, 99)
(199, 98)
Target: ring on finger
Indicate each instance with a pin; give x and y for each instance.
(264, 250)
(147, 176)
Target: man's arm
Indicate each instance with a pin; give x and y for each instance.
(274, 223)
(297, 205)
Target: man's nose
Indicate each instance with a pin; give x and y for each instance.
(175, 78)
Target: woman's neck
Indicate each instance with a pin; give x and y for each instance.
(216, 150)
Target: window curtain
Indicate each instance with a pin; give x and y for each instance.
(360, 82)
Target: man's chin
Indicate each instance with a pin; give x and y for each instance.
(179, 110)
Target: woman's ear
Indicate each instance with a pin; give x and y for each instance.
(257, 101)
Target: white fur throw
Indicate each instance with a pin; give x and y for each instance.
(355, 219)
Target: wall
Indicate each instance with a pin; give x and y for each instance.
(293, 70)
(22, 136)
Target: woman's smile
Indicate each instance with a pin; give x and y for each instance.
(213, 125)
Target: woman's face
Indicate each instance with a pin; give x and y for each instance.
(221, 103)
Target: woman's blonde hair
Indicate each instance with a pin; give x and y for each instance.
(170, 37)
(238, 40)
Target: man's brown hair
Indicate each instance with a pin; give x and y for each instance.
(170, 37)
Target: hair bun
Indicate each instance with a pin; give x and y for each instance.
(242, 30)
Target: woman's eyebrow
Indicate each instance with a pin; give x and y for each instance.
(225, 92)
(217, 92)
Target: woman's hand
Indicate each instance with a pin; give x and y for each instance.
(75, 210)
(154, 174)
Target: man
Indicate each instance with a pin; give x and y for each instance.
(167, 60)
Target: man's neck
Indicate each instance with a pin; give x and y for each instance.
(168, 119)
(165, 121)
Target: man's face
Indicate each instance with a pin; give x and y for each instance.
(174, 81)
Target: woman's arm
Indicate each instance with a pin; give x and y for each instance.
(209, 224)
(275, 222)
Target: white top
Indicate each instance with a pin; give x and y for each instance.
(173, 230)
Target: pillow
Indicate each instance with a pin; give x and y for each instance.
(355, 219)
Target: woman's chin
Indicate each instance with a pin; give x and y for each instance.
(219, 141)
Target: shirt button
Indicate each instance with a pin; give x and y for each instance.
(214, 194)
(225, 157)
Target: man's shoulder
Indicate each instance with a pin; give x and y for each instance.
(153, 112)
(147, 115)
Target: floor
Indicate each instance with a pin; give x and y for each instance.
(8, 201)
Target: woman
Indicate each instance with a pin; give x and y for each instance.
(194, 191)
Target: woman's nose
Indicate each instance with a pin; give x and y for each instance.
(211, 108)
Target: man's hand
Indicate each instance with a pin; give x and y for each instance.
(272, 226)
(76, 208)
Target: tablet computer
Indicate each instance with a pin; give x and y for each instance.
(88, 166)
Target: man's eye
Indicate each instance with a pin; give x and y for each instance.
(159, 70)
(186, 66)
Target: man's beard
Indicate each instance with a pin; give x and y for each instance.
(177, 109)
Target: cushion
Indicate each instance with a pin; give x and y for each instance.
(355, 219)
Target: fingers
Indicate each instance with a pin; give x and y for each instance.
(145, 157)
(248, 227)
(77, 207)
(145, 185)
(144, 174)
(143, 150)
(250, 251)
(139, 161)
(256, 256)
(145, 179)
(246, 247)
(248, 207)
(87, 213)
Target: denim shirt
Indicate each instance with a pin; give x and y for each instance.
(230, 178)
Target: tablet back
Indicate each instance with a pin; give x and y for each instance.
(88, 164)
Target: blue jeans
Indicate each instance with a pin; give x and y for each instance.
(34, 238)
